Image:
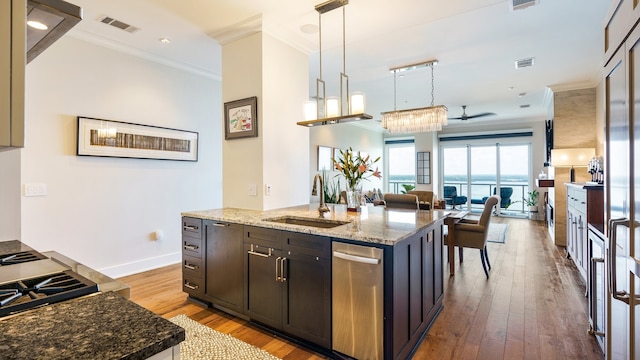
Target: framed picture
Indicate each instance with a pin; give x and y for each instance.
(324, 158)
(423, 167)
(99, 137)
(241, 118)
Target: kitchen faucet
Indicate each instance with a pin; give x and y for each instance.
(323, 207)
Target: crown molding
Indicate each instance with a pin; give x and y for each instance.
(104, 42)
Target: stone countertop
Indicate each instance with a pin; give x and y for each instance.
(13, 246)
(98, 326)
(374, 224)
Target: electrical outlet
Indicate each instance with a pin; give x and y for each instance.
(253, 190)
(35, 189)
(267, 189)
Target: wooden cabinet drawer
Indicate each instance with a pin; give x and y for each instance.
(269, 238)
(308, 244)
(192, 227)
(193, 267)
(193, 285)
(192, 247)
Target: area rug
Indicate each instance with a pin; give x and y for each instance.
(204, 343)
(497, 233)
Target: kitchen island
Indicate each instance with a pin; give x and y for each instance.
(366, 284)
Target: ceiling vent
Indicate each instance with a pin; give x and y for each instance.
(522, 63)
(119, 24)
(522, 4)
(524, 106)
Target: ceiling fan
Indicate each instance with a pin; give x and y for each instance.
(465, 117)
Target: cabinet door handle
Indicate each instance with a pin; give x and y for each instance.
(278, 277)
(613, 237)
(191, 247)
(190, 267)
(594, 288)
(282, 277)
(219, 224)
(190, 227)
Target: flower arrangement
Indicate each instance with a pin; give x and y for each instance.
(355, 168)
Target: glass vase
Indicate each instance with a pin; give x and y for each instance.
(354, 195)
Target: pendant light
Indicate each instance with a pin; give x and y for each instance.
(424, 119)
(334, 110)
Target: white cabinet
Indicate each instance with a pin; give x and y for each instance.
(12, 72)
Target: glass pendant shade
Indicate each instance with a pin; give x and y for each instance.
(415, 120)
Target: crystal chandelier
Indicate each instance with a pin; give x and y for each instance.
(424, 119)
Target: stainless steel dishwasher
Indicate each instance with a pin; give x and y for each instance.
(357, 273)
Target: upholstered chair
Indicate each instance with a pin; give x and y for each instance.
(401, 201)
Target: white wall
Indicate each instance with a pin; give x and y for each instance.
(102, 211)
(277, 74)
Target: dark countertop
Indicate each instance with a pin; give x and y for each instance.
(374, 224)
(98, 326)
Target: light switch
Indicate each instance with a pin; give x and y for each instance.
(35, 189)
(253, 190)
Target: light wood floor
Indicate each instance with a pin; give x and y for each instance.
(532, 307)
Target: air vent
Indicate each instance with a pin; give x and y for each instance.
(522, 4)
(524, 106)
(522, 63)
(119, 24)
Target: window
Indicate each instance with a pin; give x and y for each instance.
(400, 164)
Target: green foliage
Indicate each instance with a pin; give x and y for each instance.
(407, 188)
(330, 189)
(532, 199)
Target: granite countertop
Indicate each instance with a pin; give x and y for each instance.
(13, 246)
(374, 224)
(99, 326)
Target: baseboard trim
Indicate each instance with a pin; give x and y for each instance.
(142, 265)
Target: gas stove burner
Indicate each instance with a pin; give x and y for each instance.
(20, 257)
(29, 293)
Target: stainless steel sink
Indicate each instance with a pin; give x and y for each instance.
(311, 222)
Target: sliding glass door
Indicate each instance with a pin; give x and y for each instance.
(479, 171)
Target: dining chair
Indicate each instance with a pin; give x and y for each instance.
(401, 201)
(425, 198)
(473, 234)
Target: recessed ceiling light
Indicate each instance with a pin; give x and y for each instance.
(164, 40)
(522, 94)
(309, 28)
(510, 88)
(37, 25)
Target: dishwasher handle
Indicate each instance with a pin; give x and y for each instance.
(355, 258)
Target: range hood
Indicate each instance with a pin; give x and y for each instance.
(57, 15)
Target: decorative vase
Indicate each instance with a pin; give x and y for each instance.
(354, 193)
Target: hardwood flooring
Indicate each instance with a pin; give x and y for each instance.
(532, 306)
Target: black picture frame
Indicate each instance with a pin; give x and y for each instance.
(241, 118)
(109, 138)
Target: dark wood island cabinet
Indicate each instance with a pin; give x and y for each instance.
(283, 272)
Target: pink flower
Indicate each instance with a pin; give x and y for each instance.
(362, 168)
(377, 174)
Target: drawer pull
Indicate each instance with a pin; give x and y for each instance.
(189, 286)
(219, 224)
(190, 227)
(191, 267)
(253, 252)
(191, 247)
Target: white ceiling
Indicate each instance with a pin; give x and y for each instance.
(475, 41)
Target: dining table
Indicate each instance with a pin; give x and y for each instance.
(451, 220)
